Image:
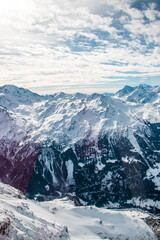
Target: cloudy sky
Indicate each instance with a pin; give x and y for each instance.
(79, 45)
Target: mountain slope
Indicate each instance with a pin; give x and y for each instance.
(22, 218)
(25, 219)
(96, 147)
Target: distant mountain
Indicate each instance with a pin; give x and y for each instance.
(108, 94)
(140, 94)
(101, 149)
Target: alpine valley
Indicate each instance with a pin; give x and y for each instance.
(103, 150)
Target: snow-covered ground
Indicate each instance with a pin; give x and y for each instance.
(21, 218)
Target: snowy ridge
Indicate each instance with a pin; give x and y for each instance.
(60, 219)
(63, 116)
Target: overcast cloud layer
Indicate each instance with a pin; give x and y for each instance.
(85, 46)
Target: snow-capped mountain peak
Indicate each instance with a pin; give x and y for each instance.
(12, 96)
(140, 94)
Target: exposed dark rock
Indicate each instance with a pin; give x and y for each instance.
(154, 223)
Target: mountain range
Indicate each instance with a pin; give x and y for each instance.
(104, 150)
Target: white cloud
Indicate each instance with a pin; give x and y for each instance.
(56, 43)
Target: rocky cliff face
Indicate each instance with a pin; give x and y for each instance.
(98, 148)
(109, 170)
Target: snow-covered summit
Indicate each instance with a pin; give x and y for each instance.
(11, 96)
(144, 100)
(139, 94)
(127, 89)
(16, 91)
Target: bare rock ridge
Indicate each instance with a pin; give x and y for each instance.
(104, 150)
